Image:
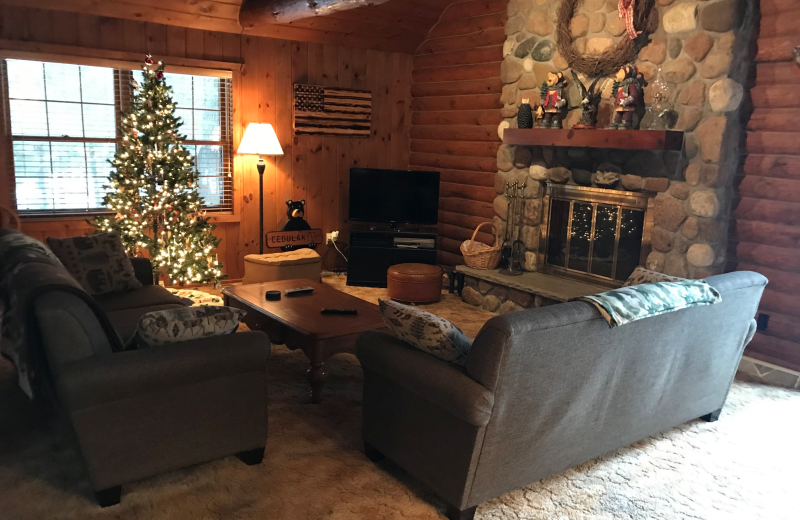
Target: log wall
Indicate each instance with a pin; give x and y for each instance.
(766, 226)
(455, 112)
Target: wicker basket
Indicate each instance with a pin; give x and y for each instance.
(479, 255)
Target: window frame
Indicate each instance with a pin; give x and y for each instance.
(123, 65)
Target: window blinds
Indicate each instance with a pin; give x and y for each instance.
(63, 122)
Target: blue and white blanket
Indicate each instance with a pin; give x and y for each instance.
(636, 302)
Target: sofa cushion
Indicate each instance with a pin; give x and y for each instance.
(641, 275)
(426, 331)
(182, 324)
(125, 321)
(147, 296)
(98, 262)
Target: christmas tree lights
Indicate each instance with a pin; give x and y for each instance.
(153, 188)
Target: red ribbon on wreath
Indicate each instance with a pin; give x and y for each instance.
(625, 9)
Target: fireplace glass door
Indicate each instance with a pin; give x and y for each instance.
(595, 233)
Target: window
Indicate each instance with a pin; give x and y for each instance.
(63, 120)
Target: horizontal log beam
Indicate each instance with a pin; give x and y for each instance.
(462, 26)
(779, 48)
(456, 133)
(780, 281)
(786, 213)
(783, 303)
(470, 207)
(467, 177)
(474, 102)
(775, 350)
(783, 327)
(456, 148)
(774, 119)
(459, 233)
(768, 233)
(783, 166)
(466, 191)
(458, 88)
(462, 57)
(777, 73)
(777, 25)
(468, 41)
(770, 188)
(457, 117)
(449, 245)
(460, 219)
(478, 164)
(473, 8)
(775, 96)
(459, 72)
(446, 258)
(779, 7)
(787, 259)
(784, 143)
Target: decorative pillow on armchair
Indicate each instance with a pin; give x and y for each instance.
(642, 275)
(426, 331)
(98, 262)
(183, 324)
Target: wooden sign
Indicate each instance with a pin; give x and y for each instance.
(332, 111)
(294, 238)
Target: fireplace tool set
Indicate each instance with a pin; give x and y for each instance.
(513, 247)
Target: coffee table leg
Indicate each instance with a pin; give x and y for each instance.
(316, 378)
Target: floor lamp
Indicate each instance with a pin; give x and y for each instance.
(260, 139)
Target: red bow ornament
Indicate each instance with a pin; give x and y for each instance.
(625, 9)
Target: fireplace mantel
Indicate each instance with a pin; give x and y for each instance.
(596, 138)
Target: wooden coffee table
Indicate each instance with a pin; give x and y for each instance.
(295, 321)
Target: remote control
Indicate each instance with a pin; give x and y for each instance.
(339, 311)
(298, 291)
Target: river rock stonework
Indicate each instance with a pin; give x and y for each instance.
(703, 48)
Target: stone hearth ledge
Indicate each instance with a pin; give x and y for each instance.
(501, 293)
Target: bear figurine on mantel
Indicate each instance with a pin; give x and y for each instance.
(553, 105)
(628, 95)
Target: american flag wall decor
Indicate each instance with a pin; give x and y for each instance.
(332, 111)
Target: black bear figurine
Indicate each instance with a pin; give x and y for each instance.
(295, 210)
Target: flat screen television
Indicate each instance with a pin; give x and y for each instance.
(394, 196)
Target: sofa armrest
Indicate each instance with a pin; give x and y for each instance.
(143, 269)
(124, 375)
(430, 378)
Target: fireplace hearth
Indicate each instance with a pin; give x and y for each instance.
(594, 234)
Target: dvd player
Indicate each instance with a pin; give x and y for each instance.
(415, 243)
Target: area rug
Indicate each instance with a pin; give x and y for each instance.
(745, 466)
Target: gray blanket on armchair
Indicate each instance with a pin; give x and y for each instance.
(29, 269)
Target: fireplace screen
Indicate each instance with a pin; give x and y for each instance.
(595, 233)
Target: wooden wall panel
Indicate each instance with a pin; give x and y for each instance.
(315, 168)
(455, 112)
(766, 228)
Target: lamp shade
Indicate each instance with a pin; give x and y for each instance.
(260, 139)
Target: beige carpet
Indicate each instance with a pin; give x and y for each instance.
(746, 466)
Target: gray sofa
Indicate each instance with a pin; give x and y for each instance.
(548, 388)
(138, 413)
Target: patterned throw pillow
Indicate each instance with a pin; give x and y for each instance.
(642, 275)
(98, 262)
(183, 324)
(426, 331)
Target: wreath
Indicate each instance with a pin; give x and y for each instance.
(645, 17)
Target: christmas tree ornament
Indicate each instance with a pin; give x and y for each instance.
(160, 211)
(525, 115)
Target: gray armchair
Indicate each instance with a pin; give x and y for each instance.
(549, 388)
(142, 412)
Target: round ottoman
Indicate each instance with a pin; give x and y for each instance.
(415, 283)
(270, 267)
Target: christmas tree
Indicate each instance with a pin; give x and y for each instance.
(153, 188)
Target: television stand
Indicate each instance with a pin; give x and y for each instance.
(374, 251)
